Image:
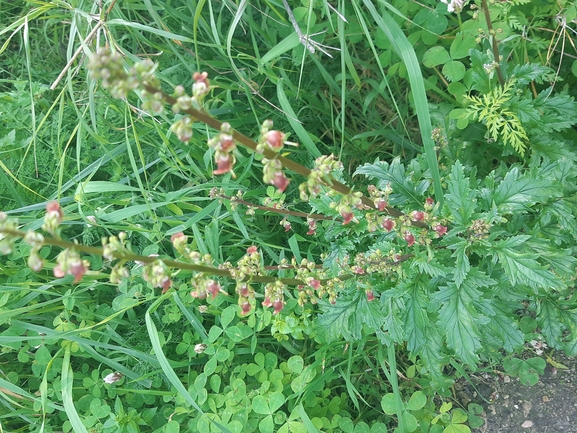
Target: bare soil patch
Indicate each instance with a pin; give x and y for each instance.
(550, 406)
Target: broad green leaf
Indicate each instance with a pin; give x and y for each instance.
(260, 405)
(417, 401)
(453, 70)
(461, 45)
(388, 404)
(435, 56)
(462, 265)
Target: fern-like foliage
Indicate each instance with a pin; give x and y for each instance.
(502, 123)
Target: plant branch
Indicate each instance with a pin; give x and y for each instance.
(493, 42)
(286, 162)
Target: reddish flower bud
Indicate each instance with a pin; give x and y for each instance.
(381, 204)
(388, 224)
(213, 288)
(78, 269)
(280, 181)
(58, 272)
(417, 215)
(266, 303)
(440, 229)
(245, 307)
(251, 250)
(275, 139)
(347, 217)
(359, 270)
(312, 226)
(429, 201)
(315, 284)
(166, 284)
(370, 296)
(409, 238)
(244, 291)
(224, 163)
(278, 305)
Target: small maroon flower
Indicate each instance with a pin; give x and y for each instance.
(224, 163)
(347, 217)
(245, 307)
(252, 249)
(430, 201)
(53, 208)
(388, 224)
(280, 181)
(418, 215)
(409, 238)
(213, 288)
(226, 143)
(359, 270)
(78, 269)
(275, 139)
(244, 291)
(286, 224)
(440, 229)
(315, 284)
(381, 204)
(266, 302)
(166, 284)
(312, 226)
(370, 296)
(278, 305)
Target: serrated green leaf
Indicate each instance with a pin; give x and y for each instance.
(522, 268)
(459, 319)
(336, 320)
(462, 265)
(460, 200)
(518, 192)
(550, 323)
(404, 189)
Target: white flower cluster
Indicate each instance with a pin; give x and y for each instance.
(454, 5)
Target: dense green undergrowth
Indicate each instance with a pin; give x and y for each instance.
(229, 302)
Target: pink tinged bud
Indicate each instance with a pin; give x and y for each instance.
(278, 305)
(370, 296)
(226, 143)
(280, 181)
(409, 238)
(78, 269)
(359, 270)
(244, 291)
(58, 272)
(166, 285)
(275, 139)
(388, 224)
(312, 226)
(251, 250)
(429, 201)
(53, 207)
(245, 307)
(347, 217)
(286, 225)
(381, 204)
(266, 303)
(213, 288)
(315, 284)
(224, 163)
(440, 229)
(418, 215)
